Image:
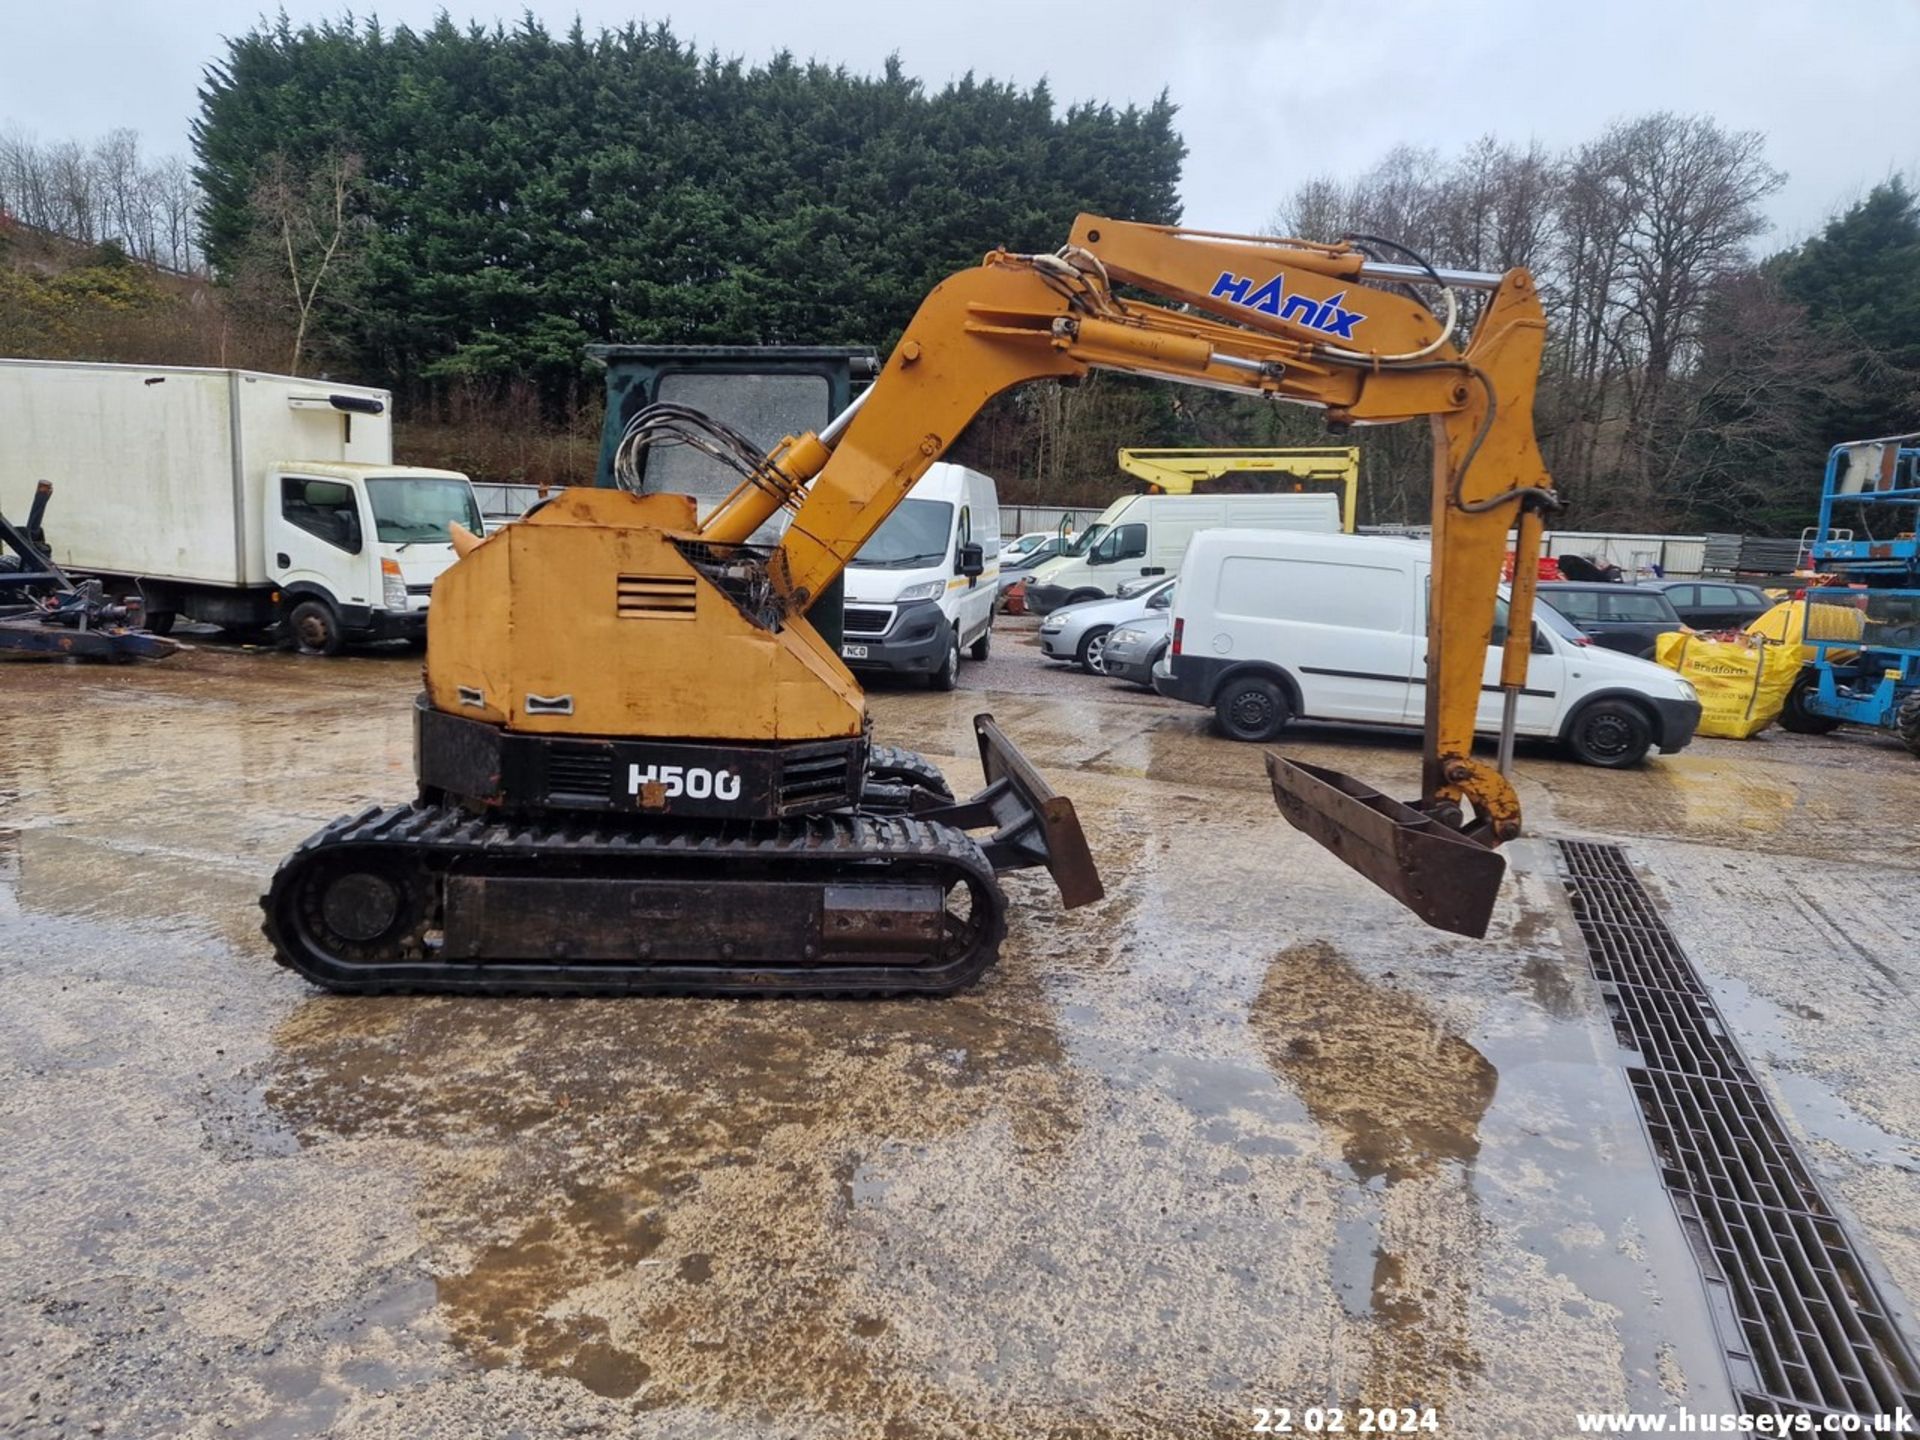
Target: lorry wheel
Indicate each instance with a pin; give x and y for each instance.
(983, 647)
(1613, 734)
(948, 675)
(1093, 650)
(1907, 721)
(1252, 708)
(315, 628)
(1796, 717)
(159, 622)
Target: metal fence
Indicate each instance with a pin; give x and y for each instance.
(1020, 519)
(1635, 554)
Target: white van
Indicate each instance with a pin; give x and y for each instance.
(922, 588)
(1269, 625)
(1145, 535)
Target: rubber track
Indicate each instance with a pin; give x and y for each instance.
(891, 763)
(422, 840)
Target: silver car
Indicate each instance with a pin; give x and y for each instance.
(1133, 648)
(1078, 633)
(1035, 549)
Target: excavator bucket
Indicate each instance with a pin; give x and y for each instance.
(1447, 879)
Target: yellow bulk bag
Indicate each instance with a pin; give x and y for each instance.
(1743, 682)
(1794, 622)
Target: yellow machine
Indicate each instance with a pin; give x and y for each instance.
(1312, 470)
(642, 770)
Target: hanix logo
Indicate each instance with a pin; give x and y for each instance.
(1323, 315)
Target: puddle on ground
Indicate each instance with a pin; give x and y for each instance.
(9, 874)
(1766, 1035)
(654, 1199)
(1402, 1097)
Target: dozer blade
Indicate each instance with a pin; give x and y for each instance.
(1031, 824)
(1447, 879)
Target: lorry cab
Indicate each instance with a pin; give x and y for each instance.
(922, 588)
(1144, 536)
(354, 549)
(1269, 626)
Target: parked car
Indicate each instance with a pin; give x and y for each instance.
(1023, 545)
(1269, 626)
(1713, 604)
(1627, 618)
(1133, 649)
(1078, 633)
(503, 502)
(1037, 547)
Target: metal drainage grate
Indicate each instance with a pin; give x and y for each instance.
(1802, 1325)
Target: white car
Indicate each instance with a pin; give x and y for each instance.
(1025, 555)
(1078, 633)
(1270, 626)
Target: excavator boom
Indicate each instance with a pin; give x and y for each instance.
(1321, 325)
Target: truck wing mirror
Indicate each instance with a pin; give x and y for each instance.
(973, 561)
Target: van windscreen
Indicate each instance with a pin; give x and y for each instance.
(915, 534)
(1085, 539)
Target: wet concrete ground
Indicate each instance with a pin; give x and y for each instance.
(1243, 1135)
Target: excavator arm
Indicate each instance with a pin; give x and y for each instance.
(1321, 325)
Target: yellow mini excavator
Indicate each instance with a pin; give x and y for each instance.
(641, 770)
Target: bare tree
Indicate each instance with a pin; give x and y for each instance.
(107, 191)
(1688, 194)
(304, 254)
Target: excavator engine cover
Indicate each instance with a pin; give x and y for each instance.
(1446, 878)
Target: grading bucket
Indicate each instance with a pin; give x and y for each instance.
(1446, 878)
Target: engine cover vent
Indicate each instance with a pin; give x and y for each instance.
(656, 597)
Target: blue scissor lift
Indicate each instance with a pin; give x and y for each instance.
(1868, 538)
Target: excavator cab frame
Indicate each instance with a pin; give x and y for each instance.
(730, 383)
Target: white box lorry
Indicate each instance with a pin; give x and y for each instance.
(239, 499)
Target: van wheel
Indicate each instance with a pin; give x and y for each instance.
(1093, 650)
(982, 647)
(1612, 734)
(159, 622)
(1077, 596)
(315, 628)
(1251, 708)
(948, 675)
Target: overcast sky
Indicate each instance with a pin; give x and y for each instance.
(1271, 92)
